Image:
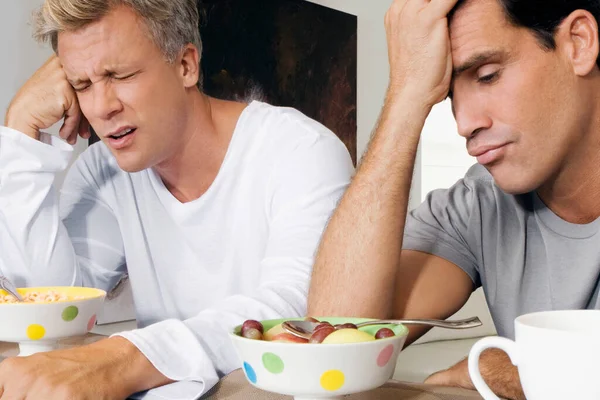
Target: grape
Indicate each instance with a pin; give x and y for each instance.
(252, 324)
(252, 333)
(320, 334)
(346, 326)
(322, 325)
(384, 333)
(311, 319)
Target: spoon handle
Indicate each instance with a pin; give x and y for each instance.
(457, 324)
(10, 288)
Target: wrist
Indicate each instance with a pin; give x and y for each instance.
(14, 121)
(414, 99)
(404, 114)
(127, 364)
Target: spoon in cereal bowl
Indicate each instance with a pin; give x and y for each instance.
(7, 285)
(304, 329)
(47, 316)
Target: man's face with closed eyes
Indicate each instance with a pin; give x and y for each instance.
(134, 99)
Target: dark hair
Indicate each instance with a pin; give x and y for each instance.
(542, 17)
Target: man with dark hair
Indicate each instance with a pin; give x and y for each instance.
(524, 81)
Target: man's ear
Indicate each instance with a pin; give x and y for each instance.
(578, 36)
(190, 65)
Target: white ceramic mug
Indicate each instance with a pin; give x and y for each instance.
(557, 354)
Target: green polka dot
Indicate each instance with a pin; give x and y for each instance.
(272, 363)
(70, 313)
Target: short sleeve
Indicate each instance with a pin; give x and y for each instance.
(441, 226)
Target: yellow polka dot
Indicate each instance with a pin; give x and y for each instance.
(332, 380)
(35, 332)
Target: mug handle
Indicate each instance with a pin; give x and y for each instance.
(508, 346)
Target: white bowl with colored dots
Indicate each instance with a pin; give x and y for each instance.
(38, 326)
(309, 371)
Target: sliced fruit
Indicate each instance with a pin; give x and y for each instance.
(348, 336)
(274, 331)
(288, 338)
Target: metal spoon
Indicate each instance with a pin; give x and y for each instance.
(10, 288)
(304, 329)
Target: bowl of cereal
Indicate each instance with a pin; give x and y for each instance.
(47, 315)
(339, 359)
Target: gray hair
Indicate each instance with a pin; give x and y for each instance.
(172, 24)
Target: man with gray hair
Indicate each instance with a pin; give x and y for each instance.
(213, 208)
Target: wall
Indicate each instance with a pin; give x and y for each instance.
(21, 56)
(444, 158)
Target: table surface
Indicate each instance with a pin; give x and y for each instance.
(235, 386)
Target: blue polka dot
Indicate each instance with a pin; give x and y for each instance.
(250, 372)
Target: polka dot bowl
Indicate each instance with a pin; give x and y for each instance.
(319, 371)
(38, 327)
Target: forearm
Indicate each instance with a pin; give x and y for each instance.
(197, 350)
(35, 247)
(128, 370)
(20, 123)
(363, 240)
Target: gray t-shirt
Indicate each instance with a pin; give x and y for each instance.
(526, 258)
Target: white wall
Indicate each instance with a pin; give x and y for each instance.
(20, 55)
(444, 158)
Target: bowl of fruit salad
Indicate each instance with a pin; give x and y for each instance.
(338, 358)
(47, 315)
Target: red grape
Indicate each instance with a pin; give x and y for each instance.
(252, 333)
(322, 325)
(252, 324)
(384, 333)
(320, 334)
(346, 326)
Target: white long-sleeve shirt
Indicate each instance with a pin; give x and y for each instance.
(244, 249)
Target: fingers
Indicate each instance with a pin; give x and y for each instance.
(433, 9)
(441, 378)
(72, 119)
(396, 9)
(84, 128)
(441, 8)
(53, 59)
